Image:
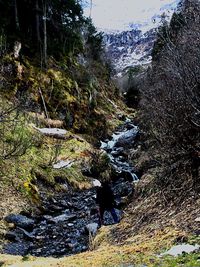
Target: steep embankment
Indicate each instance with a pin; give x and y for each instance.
(80, 99)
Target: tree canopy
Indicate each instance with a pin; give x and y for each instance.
(43, 26)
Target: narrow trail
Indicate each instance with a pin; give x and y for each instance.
(62, 227)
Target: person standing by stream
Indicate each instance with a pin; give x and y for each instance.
(106, 202)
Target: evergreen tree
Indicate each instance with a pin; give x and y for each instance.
(52, 27)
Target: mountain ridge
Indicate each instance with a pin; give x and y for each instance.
(129, 48)
(133, 47)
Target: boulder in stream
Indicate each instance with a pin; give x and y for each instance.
(126, 138)
(20, 221)
(61, 218)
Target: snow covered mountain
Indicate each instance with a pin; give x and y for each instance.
(129, 48)
(133, 47)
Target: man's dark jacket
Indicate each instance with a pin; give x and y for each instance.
(105, 197)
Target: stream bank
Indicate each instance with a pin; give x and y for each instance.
(61, 229)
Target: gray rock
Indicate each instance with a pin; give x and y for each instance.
(20, 220)
(13, 236)
(197, 219)
(126, 139)
(27, 234)
(60, 218)
(17, 248)
(179, 249)
(92, 228)
(63, 203)
(123, 189)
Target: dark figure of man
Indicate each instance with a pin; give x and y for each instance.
(105, 200)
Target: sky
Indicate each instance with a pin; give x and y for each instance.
(115, 15)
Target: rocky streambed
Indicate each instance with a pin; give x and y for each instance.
(67, 218)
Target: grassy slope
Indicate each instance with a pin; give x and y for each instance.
(74, 91)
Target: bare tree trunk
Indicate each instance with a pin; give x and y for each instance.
(91, 4)
(37, 23)
(16, 15)
(43, 101)
(45, 31)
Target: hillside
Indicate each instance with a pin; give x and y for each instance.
(67, 136)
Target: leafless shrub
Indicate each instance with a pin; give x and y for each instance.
(171, 99)
(15, 138)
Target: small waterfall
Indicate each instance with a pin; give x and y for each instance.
(116, 147)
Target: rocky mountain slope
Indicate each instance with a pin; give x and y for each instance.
(129, 48)
(133, 47)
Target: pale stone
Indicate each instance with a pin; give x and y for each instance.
(179, 249)
(63, 164)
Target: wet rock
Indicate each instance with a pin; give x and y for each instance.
(13, 236)
(130, 126)
(118, 202)
(53, 208)
(123, 189)
(125, 174)
(60, 252)
(73, 244)
(126, 139)
(17, 248)
(61, 218)
(122, 158)
(63, 203)
(47, 217)
(122, 117)
(26, 234)
(78, 207)
(108, 219)
(20, 220)
(86, 172)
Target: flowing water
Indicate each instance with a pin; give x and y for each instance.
(117, 147)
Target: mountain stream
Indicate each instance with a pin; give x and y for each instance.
(64, 225)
